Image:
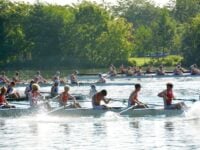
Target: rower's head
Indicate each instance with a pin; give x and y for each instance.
(17, 73)
(32, 81)
(104, 92)
(76, 72)
(35, 87)
(12, 84)
(93, 86)
(137, 87)
(38, 72)
(169, 86)
(3, 90)
(66, 88)
(100, 75)
(3, 73)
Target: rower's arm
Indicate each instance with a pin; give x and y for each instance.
(106, 100)
(161, 94)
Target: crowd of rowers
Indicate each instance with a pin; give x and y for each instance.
(97, 97)
(138, 71)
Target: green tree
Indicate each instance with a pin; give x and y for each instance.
(191, 41)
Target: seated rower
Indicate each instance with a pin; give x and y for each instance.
(122, 69)
(56, 78)
(130, 71)
(149, 70)
(92, 90)
(54, 89)
(73, 78)
(178, 70)
(38, 78)
(101, 79)
(97, 98)
(138, 71)
(168, 96)
(3, 78)
(34, 97)
(29, 88)
(65, 96)
(16, 78)
(133, 98)
(194, 70)
(11, 93)
(112, 71)
(3, 102)
(160, 71)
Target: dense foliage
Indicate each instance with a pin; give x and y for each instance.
(91, 35)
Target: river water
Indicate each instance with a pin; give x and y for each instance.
(111, 131)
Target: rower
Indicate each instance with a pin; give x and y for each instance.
(133, 98)
(149, 70)
(138, 71)
(11, 93)
(122, 69)
(101, 79)
(3, 102)
(168, 96)
(73, 78)
(92, 90)
(97, 98)
(178, 70)
(112, 70)
(130, 72)
(55, 89)
(65, 96)
(38, 78)
(160, 71)
(4, 78)
(34, 96)
(29, 88)
(16, 78)
(194, 70)
(56, 78)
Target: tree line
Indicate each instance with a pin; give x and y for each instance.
(89, 35)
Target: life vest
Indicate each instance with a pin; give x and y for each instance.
(64, 97)
(2, 99)
(33, 97)
(169, 95)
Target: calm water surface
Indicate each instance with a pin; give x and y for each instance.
(111, 131)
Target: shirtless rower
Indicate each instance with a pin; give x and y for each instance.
(4, 78)
(194, 70)
(160, 71)
(133, 98)
(178, 70)
(112, 70)
(97, 98)
(29, 88)
(3, 102)
(16, 78)
(101, 79)
(65, 96)
(38, 78)
(168, 97)
(73, 78)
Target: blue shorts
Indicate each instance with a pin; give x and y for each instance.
(99, 107)
(172, 106)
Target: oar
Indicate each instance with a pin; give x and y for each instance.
(191, 100)
(153, 104)
(131, 107)
(57, 109)
(19, 104)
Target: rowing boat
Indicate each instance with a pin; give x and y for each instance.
(80, 84)
(85, 112)
(123, 76)
(88, 112)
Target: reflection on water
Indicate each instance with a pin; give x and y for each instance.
(111, 131)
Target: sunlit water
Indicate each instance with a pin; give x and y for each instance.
(111, 131)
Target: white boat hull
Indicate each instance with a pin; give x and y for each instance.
(87, 112)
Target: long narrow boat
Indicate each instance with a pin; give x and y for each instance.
(123, 76)
(85, 112)
(89, 112)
